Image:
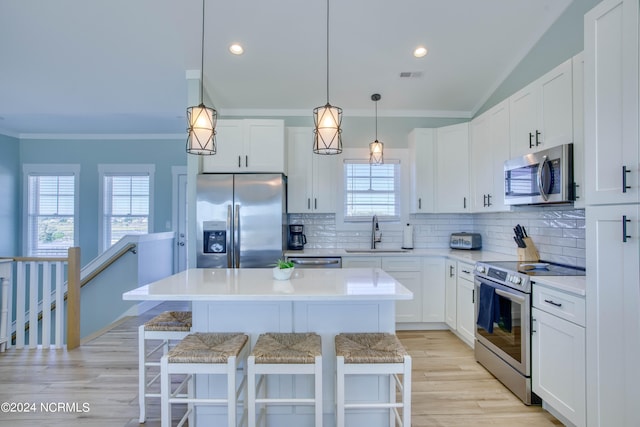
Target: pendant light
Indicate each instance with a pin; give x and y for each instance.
(376, 148)
(327, 134)
(201, 119)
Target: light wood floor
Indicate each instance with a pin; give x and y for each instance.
(98, 382)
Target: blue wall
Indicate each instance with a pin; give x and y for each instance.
(88, 154)
(9, 174)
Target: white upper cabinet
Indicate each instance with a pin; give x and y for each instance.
(452, 169)
(311, 183)
(249, 145)
(611, 103)
(422, 156)
(578, 130)
(541, 114)
(489, 150)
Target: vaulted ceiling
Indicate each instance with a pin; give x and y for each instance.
(119, 66)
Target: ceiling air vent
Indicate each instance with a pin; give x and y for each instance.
(410, 74)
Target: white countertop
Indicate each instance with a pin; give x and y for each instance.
(573, 284)
(257, 284)
(471, 256)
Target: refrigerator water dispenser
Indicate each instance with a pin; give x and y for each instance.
(215, 237)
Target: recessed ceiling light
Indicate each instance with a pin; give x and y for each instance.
(420, 52)
(236, 49)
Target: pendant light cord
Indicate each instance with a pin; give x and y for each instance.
(376, 120)
(202, 59)
(327, 52)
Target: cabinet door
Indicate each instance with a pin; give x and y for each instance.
(451, 294)
(613, 318)
(263, 146)
(325, 175)
(452, 179)
(299, 170)
(558, 365)
(229, 140)
(361, 262)
(433, 290)
(523, 111)
(409, 310)
(611, 102)
(555, 122)
(499, 137)
(481, 171)
(422, 158)
(578, 129)
(466, 311)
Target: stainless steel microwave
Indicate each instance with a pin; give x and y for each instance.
(539, 178)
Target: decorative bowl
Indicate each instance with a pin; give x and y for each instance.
(282, 273)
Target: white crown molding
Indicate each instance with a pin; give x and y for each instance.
(256, 112)
(103, 136)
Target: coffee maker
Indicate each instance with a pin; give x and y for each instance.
(297, 239)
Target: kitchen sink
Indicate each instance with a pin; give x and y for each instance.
(375, 251)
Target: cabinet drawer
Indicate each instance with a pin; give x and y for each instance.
(564, 305)
(400, 264)
(361, 262)
(465, 271)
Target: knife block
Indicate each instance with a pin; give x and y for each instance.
(530, 253)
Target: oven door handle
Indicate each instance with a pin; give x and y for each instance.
(510, 296)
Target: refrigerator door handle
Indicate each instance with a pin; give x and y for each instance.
(236, 231)
(229, 258)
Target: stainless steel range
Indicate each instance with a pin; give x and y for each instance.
(503, 313)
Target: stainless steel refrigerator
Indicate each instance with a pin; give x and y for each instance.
(241, 220)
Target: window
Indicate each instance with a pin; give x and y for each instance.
(371, 190)
(126, 201)
(52, 209)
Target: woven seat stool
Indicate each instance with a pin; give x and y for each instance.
(168, 328)
(283, 354)
(209, 354)
(374, 354)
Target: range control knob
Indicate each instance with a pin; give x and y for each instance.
(516, 280)
(481, 269)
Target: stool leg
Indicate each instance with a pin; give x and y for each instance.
(251, 391)
(231, 391)
(340, 391)
(318, 390)
(406, 393)
(191, 393)
(165, 392)
(392, 399)
(142, 375)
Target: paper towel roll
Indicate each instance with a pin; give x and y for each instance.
(407, 237)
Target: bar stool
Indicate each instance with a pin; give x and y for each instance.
(374, 354)
(168, 327)
(210, 354)
(284, 354)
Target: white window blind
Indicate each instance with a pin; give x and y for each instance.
(371, 190)
(126, 206)
(51, 214)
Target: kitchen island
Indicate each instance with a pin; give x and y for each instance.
(325, 301)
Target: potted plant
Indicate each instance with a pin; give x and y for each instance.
(283, 270)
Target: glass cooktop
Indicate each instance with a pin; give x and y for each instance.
(540, 268)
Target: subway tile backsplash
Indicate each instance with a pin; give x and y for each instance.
(558, 232)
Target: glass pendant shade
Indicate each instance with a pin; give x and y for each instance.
(202, 123)
(376, 153)
(327, 135)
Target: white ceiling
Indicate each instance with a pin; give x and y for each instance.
(119, 66)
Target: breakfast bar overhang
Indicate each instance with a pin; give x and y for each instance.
(325, 301)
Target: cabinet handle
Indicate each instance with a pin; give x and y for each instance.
(315, 203)
(466, 271)
(464, 203)
(484, 200)
(575, 192)
(308, 203)
(557, 304)
(246, 161)
(420, 203)
(451, 271)
(624, 228)
(625, 171)
(488, 200)
(538, 138)
(239, 160)
(473, 295)
(533, 321)
(530, 140)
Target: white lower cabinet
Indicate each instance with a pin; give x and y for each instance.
(465, 303)
(407, 271)
(451, 299)
(433, 289)
(558, 347)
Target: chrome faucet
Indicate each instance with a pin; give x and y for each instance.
(375, 236)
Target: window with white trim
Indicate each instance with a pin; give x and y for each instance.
(371, 190)
(51, 204)
(126, 201)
